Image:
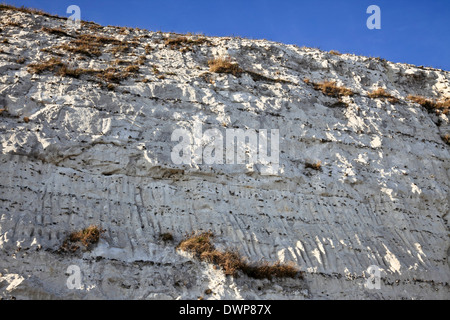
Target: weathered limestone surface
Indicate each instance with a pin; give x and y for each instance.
(89, 155)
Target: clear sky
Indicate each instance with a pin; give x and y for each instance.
(412, 31)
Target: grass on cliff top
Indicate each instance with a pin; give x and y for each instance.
(201, 246)
(5, 6)
(91, 45)
(334, 52)
(184, 43)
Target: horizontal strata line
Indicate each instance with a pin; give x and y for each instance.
(71, 195)
(198, 174)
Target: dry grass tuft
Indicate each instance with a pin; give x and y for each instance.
(82, 48)
(432, 106)
(148, 49)
(122, 48)
(380, 93)
(446, 139)
(86, 237)
(116, 74)
(208, 77)
(335, 53)
(99, 39)
(266, 270)
(184, 43)
(20, 60)
(66, 71)
(141, 60)
(314, 165)
(90, 45)
(109, 75)
(56, 31)
(224, 65)
(155, 70)
(51, 51)
(197, 244)
(166, 237)
(202, 248)
(59, 68)
(123, 30)
(27, 10)
(112, 75)
(260, 77)
(132, 69)
(176, 41)
(91, 25)
(120, 62)
(208, 291)
(330, 88)
(12, 24)
(53, 64)
(200, 245)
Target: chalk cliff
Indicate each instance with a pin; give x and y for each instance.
(85, 131)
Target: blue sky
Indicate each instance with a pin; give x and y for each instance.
(413, 31)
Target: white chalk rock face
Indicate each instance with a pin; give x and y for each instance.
(80, 148)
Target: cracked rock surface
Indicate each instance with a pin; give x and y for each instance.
(80, 151)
